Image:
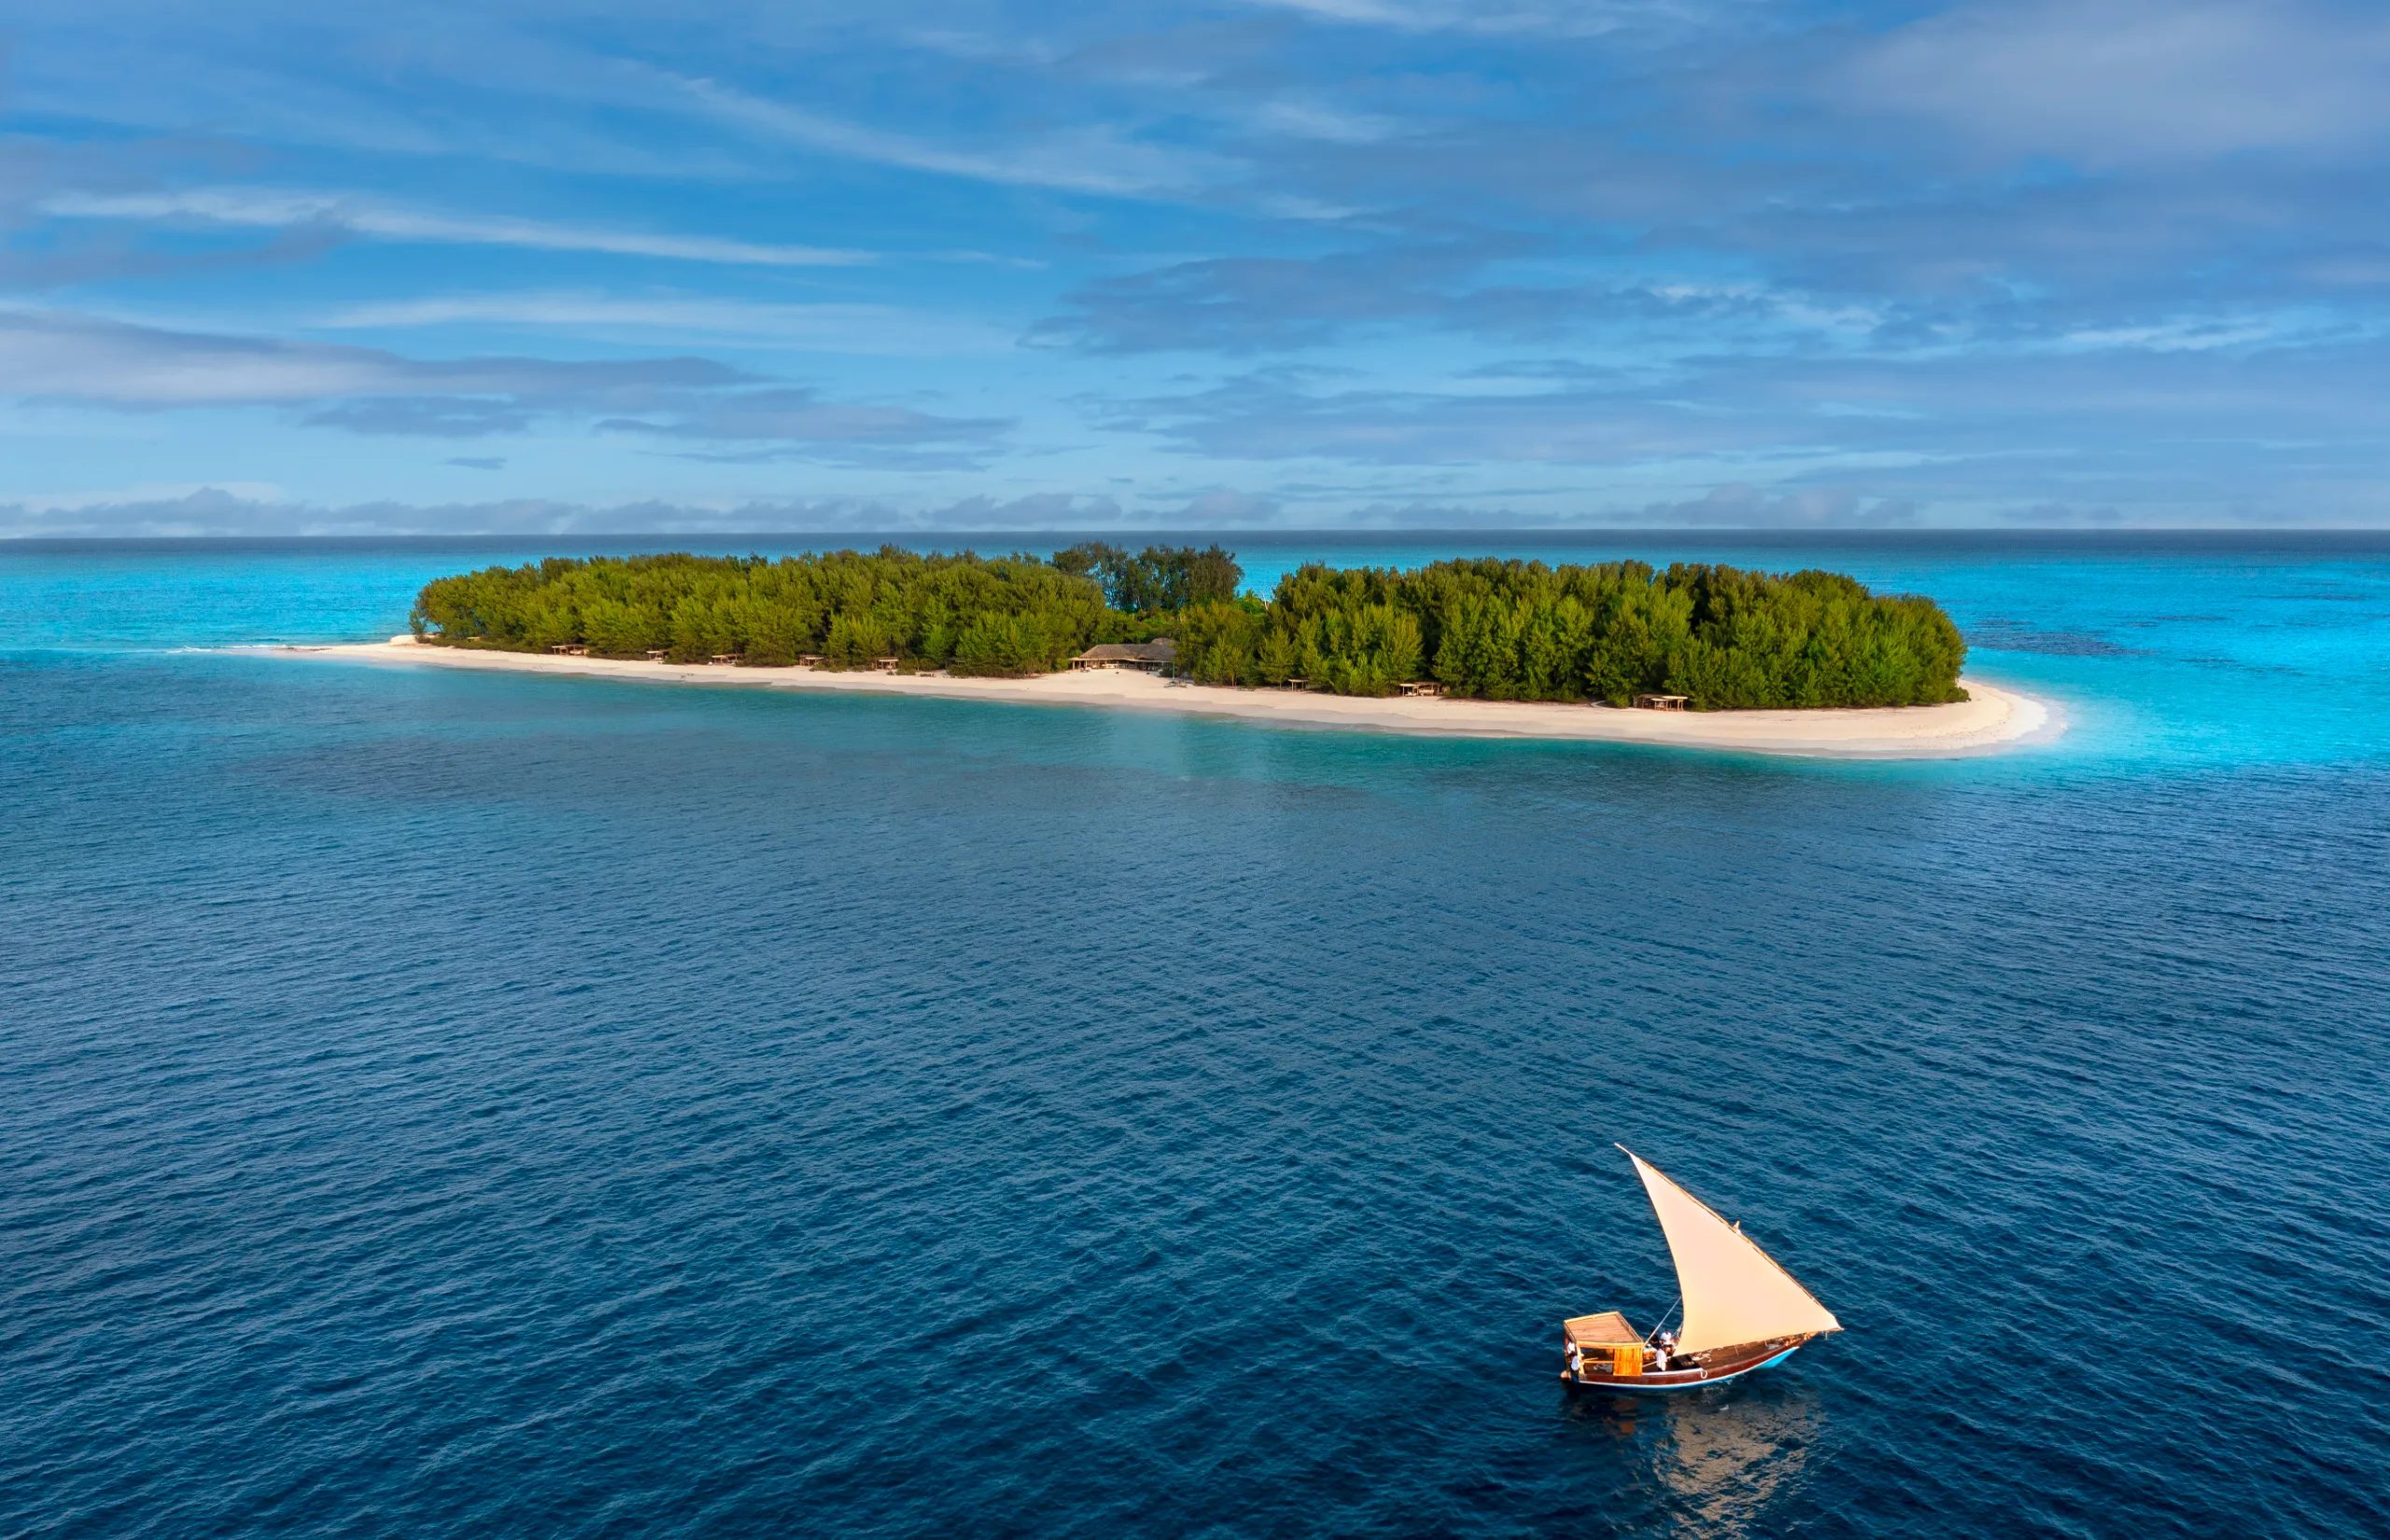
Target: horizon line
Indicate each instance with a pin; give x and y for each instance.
(1265, 535)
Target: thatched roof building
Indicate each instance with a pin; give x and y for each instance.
(1150, 657)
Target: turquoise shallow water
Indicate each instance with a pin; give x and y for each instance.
(2230, 649)
(455, 1105)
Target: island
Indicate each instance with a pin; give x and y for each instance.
(1807, 661)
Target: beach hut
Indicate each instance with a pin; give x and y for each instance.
(1419, 687)
(1145, 657)
(887, 664)
(569, 650)
(728, 659)
(1661, 703)
(656, 654)
(809, 660)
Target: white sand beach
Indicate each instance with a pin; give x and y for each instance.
(1992, 719)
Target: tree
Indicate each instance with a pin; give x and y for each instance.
(1159, 579)
(1500, 630)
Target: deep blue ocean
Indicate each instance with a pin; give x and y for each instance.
(441, 1105)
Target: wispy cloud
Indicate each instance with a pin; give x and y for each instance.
(60, 357)
(265, 208)
(1313, 119)
(1273, 414)
(2168, 436)
(1243, 304)
(810, 523)
(1685, 259)
(1257, 304)
(2105, 81)
(147, 494)
(802, 414)
(1092, 160)
(862, 328)
(797, 424)
(1584, 19)
(1740, 506)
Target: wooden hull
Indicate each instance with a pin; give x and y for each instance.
(1713, 1368)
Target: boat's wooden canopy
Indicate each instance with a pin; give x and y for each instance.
(1607, 1330)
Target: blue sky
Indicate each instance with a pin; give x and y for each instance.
(273, 267)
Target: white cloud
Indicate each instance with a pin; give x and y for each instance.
(1300, 120)
(2106, 81)
(1093, 161)
(857, 329)
(60, 356)
(218, 508)
(269, 209)
(54, 354)
(1563, 19)
(147, 492)
(48, 354)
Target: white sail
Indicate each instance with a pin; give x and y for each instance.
(1734, 1292)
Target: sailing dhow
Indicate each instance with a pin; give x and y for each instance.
(1742, 1310)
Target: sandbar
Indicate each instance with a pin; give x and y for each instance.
(1990, 720)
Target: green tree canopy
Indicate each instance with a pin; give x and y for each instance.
(1509, 630)
(1007, 615)
(1159, 579)
(1495, 630)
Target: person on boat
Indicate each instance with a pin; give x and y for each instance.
(1576, 1360)
(1668, 1344)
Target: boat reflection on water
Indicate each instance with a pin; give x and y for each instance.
(1720, 1463)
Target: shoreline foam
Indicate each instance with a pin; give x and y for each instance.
(1991, 720)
